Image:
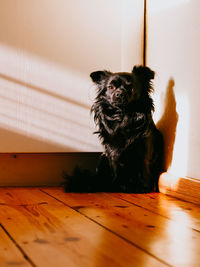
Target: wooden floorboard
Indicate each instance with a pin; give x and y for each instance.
(47, 227)
(53, 234)
(171, 241)
(174, 209)
(10, 254)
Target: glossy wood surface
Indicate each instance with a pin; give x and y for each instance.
(47, 227)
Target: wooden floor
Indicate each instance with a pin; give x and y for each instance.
(46, 227)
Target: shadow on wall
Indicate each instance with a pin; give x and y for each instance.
(17, 138)
(49, 118)
(168, 122)
(42, 90)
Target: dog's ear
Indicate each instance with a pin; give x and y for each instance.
(143, 72)
(98, 76)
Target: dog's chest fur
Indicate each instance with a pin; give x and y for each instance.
(120, 128)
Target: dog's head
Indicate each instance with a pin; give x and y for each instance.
(122, 88)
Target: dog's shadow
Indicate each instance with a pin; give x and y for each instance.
(168, 123)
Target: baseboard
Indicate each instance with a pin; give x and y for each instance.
(42, 169)
(185, 188)
(45, 169)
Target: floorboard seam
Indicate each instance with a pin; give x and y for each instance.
(121, 237)
(196, 230)
(18, 246)
(132, 203)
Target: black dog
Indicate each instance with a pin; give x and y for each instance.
(133, 156)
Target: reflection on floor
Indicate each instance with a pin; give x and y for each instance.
(47, 227)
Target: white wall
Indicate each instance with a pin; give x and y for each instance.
(173, 52)
(47, 50)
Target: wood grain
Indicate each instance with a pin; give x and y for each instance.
(171, 241)
(10, 255)
(169, 207)
(53, 234)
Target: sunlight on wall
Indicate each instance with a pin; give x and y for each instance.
(40, 99)
(172, 48)
(180, 152)
(172, 118)
(46, 59)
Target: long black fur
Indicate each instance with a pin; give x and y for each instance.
(133, 147)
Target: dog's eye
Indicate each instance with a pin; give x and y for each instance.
(111, 87)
